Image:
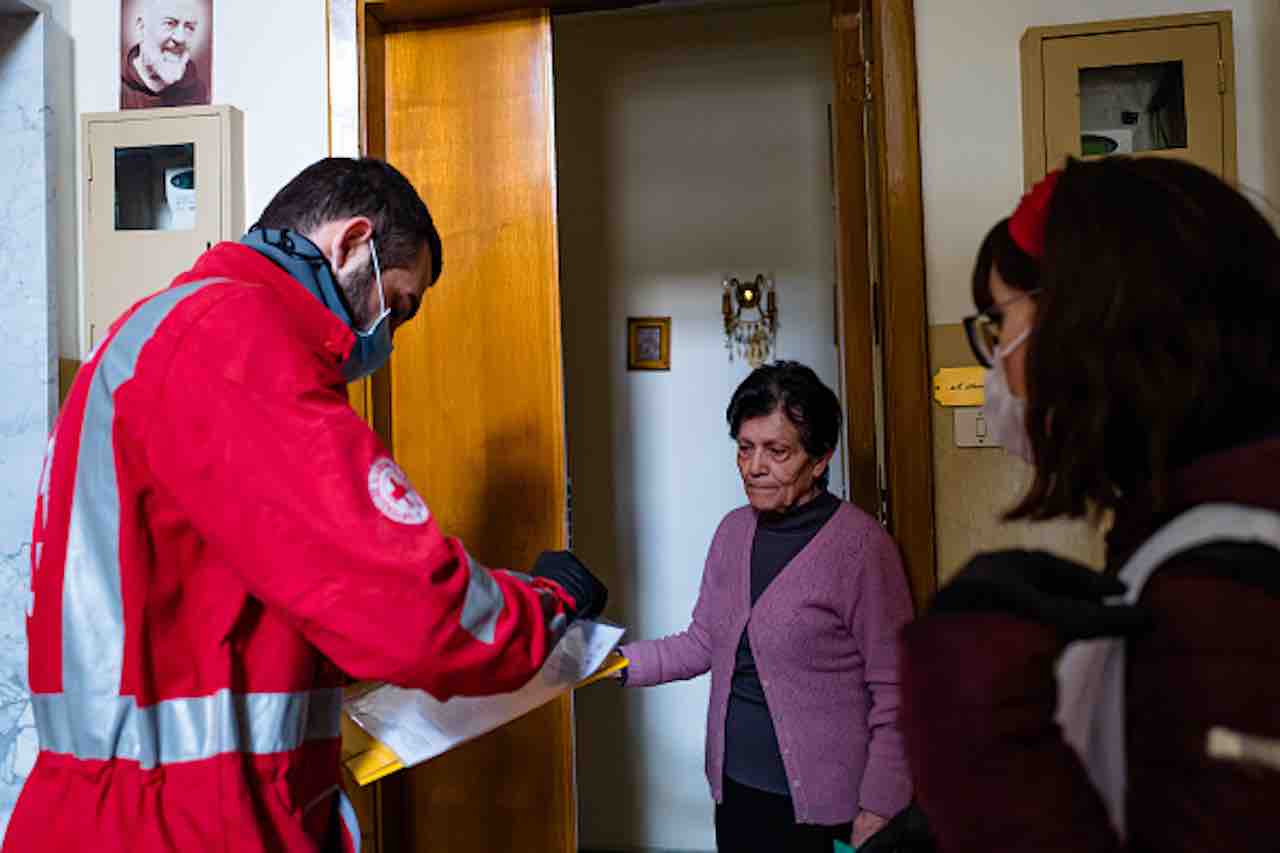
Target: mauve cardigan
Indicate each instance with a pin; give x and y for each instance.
(825, 638)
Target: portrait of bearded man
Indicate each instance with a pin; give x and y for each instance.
(166, 53)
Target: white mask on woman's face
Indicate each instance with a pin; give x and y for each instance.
(1004, 412)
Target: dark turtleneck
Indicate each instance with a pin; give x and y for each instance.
(752, 757)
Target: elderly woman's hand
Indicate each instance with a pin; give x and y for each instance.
(865, 825)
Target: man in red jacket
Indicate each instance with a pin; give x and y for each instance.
(220, 540)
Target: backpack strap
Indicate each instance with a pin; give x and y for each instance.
(1090, 673)
(1202, 525)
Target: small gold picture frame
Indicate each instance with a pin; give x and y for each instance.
(648, 343)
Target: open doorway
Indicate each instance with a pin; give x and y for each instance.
(461, 95)
(693, 143)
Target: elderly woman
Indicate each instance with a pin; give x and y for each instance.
(801, 602)
(1130, 321)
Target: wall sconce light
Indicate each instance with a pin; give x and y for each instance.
(752, 336)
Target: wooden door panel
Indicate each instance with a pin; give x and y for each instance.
(477, 397)
(477, 392)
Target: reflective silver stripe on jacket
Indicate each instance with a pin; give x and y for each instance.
(349, 822)
(90, 719)
(483, 603)
(92, 606)
(191, 729)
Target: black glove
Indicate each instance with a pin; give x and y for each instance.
(1050, 590)
(565, 569)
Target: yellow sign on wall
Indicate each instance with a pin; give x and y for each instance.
(959, 386)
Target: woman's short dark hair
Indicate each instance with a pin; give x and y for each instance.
(339, 188)
(1157, 334)
(812, 407)
(1017, 269)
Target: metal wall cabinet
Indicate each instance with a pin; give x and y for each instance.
(1161, 87)
(160, 187)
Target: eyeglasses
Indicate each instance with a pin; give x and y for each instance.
(983, 329)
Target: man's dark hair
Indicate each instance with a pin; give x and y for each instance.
(339, 188)
(812, 407)
(1016, 268)
(1157, 335)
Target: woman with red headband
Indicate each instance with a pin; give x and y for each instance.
(1130, 323)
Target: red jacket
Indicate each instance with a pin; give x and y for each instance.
(218, 538)
(992, 771)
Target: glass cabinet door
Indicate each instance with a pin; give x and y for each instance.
(1152, 92)
(153, 206)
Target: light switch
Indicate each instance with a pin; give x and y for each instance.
(971, 428)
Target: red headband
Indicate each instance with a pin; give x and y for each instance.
(1026, 226)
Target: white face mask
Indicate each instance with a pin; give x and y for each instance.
(1005, 413)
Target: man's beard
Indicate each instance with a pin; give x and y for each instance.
(167, 65)
(357, 288)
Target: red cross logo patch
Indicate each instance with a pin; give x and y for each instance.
(393, 495)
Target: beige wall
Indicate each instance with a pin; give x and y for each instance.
(974, 485)
(971, 146)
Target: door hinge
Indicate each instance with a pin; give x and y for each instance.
(568, 513)
(849, 91)
(884, 507)
(875, 313)
(866, 81)
(1222, 78)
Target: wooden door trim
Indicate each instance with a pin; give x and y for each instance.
(347, 61)
(853, 270)
(907, 413)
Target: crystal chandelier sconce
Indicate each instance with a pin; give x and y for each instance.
(750, 319)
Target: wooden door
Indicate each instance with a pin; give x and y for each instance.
(476, 391)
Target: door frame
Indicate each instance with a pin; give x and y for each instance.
(904, 319)
(874, 55)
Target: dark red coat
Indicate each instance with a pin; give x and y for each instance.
(990, 766)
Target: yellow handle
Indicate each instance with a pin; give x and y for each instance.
(612, 664)
(369, 759)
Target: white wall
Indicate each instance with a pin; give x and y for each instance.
(690, 144)
(970, 115)
(269, 61)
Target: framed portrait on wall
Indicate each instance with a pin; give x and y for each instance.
(166, 53)
(648, 343)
